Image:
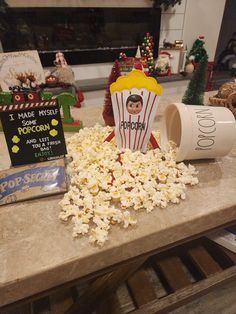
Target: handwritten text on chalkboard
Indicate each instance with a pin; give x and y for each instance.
(33, 131)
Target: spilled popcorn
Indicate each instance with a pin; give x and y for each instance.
(106, 186)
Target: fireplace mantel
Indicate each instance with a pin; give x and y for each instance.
(86, 35)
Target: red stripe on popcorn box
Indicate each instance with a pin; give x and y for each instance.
(25, 106)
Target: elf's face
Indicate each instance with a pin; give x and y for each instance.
(134, 107)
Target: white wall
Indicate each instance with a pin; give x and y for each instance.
(96, 98)
(172, 22)
(203, 17)
(92, 71)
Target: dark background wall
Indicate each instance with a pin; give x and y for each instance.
(228, 26)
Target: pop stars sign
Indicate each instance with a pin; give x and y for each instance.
(135, 99)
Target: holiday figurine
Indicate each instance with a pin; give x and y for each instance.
(60, 60)
(63, 72)
(63, 77)
(162, 65)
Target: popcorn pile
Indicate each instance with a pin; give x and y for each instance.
(106, 186)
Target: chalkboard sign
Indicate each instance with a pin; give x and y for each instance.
(33, 131)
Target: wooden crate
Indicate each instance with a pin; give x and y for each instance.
(166, 281)
(185, 273)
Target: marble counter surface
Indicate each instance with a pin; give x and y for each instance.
(37, 250)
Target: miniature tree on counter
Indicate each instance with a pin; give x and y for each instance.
(107, 113)
(194, 94)
(147, 51)
(198, 50)
(65, 101)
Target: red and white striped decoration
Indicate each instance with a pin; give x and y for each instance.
(26, 106)
(134, 138)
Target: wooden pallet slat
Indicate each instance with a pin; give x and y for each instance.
(103, 287)
(125, 300)
(183, 296)
(187, 261)
(214, 264)
(23, 309)
(204, 261)
(231, 255)
(172, 269)
(160, 290)
(217, 252)
(140, 288)
(110, 305)
(41, 306)
(61, 301)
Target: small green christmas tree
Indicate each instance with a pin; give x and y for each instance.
(195, 91)
(147, 51)
(198, 50)
(66, 101)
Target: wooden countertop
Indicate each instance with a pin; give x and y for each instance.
(37, 251)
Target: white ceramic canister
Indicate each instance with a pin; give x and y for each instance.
(199, 131)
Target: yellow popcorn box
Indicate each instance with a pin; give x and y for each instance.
(135, 99)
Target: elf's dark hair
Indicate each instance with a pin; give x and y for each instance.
(134, 98)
